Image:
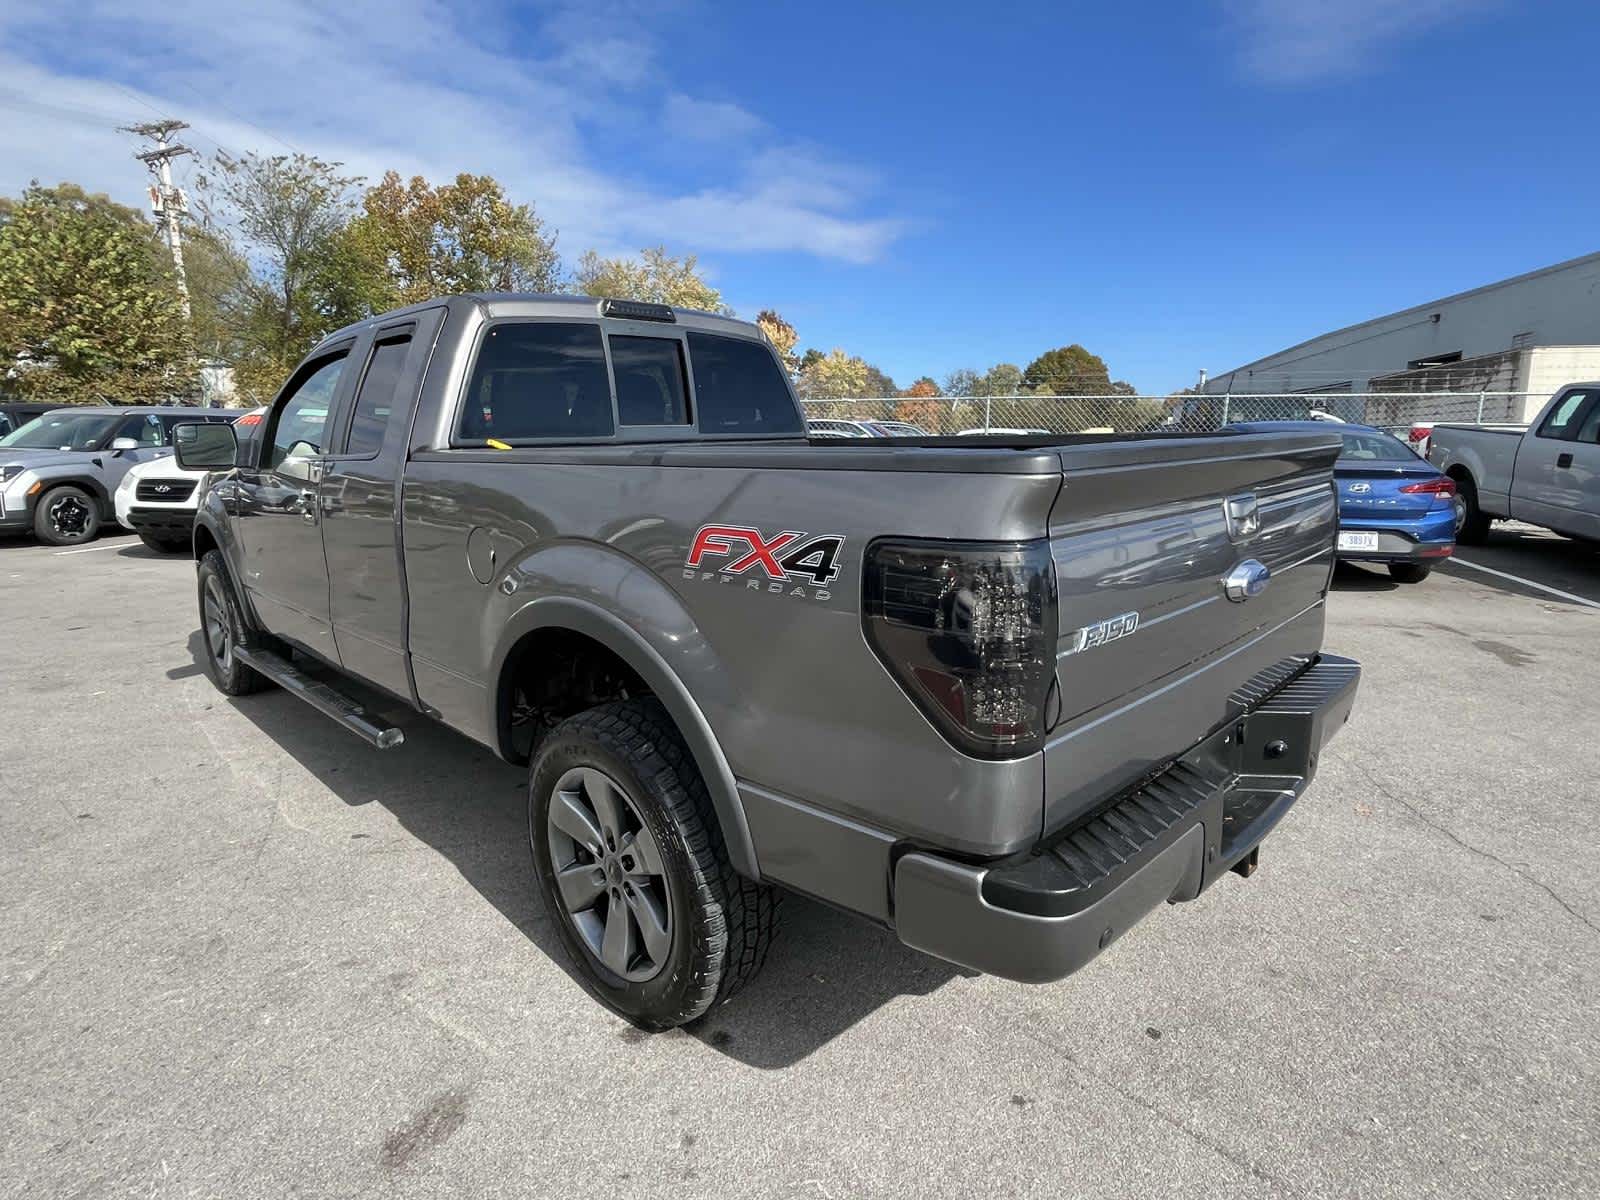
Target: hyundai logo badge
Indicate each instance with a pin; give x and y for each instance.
(1247, 579)
(1360, 489)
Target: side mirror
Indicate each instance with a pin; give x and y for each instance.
(200, 447)
(120, 444)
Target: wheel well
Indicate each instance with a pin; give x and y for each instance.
(204, 541)
(551, 674)
(1461, 475)
(88, 485)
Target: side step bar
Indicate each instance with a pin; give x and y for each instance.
(320, 696)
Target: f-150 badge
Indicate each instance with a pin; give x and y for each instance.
(1100, 633)
(792, 562)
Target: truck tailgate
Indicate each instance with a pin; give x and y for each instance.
(1152, 653)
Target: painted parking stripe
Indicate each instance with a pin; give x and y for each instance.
(1526, 582)
(113, 546)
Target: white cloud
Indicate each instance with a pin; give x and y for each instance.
(416, 86)
(1300, 41)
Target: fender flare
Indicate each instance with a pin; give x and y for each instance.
(581, 616)
(108, 510)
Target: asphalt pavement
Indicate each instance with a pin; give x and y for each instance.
(241, 954)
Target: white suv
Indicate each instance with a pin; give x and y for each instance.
(157, 500)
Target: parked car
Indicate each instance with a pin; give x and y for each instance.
(58, 472)
(14, 414)
(157, 499)
(912, 681)
(830, 427)
(896, 429)
(1547, 475)
(1002, 431)
(1417, 436)
(1394, 508)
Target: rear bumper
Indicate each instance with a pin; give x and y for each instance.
(1427, 538)
(1049, 913)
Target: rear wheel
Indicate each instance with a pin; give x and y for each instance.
(1472, 523)
(1409, 572)
(66, 516)
(633, 868)
(165, 545)
(222, 629)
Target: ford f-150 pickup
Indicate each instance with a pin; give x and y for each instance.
(1546, 474)
(1002, 695)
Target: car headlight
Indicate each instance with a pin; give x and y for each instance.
(7, 474)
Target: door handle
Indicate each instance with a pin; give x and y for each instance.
(308, 506)
(1563, 460)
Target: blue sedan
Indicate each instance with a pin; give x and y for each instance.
(1394, 508)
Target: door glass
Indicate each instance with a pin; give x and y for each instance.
(376, 396)
(1559, 422)
(650, 383)
(146, 429)
(300, 430)
(1589, 431)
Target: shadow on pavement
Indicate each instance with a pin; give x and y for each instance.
(1535, 556)
(1348, 577)
(827, 970)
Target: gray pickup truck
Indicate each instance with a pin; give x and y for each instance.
(1547, 473)
(1003, 696)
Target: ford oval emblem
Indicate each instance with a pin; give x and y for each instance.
(1247, 579)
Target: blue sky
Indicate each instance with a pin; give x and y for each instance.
(930, 186)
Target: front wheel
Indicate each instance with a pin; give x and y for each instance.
(1409, 572)
(633, 868)
(222, 630)
(66, 516)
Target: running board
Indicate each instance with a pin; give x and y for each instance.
(320, 696)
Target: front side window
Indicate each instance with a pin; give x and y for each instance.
(145, 429)
(739, 387)
(300, 431)
(651, 389)
(376, 397)
(538, 379)
(1560, 420)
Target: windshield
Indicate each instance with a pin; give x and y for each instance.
(62, 431)
(1371, 446)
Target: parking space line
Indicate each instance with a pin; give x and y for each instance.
(1543, 587)
(89, 549)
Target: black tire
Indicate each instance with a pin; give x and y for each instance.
(719, 924)
(166, 545)
(66, 516)
(1472, 523)
(222, 627)
(1409, 572)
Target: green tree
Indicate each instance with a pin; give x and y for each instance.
(1002, 379)
(878, 384)
(284, 215)
(415, 241)
(1067, 371)
(89, 312)
(963, 381)
(655, 276)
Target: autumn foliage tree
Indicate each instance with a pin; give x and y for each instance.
(781, 334)
(654, 276)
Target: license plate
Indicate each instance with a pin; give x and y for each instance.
(1357, 541)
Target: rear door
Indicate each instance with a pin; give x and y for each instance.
(1544, 487)
(366, 583)
(277, 510)
(1155, 649)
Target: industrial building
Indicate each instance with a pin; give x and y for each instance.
(1526, 336)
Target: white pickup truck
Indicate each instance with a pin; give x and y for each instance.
(1547, 473)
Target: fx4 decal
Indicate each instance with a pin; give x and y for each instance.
(791, 561)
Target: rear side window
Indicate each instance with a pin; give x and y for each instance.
(739, 387)
(651, 389)
(375, 400)
(1560, 421)
(538, 379)
(145, 429)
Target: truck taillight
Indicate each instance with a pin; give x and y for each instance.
(968, 629)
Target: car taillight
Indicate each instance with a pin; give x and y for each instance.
(968, 629)
(1418, 432)
(1435, 487)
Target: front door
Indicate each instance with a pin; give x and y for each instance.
(1544, 488)
(278, 513)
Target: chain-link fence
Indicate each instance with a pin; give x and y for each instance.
(912, 415)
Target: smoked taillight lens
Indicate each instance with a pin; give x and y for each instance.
(969, 630)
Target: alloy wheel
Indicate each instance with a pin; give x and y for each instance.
(609, 874)
(219, 631)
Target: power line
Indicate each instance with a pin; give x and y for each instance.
(169, 202)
